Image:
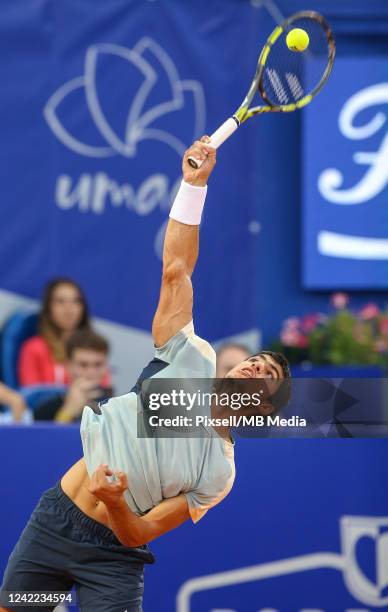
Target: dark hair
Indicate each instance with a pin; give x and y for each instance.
(280, 359)
(281, 397)
(47, 328)
(235, 345)
(86, 339)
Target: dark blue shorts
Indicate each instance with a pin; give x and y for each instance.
(61, 547)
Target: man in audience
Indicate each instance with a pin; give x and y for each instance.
(87, 354)
(228, 356)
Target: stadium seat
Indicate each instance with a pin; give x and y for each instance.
(19, 327)
(36, 395)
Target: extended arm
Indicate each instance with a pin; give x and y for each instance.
(181, 247)
(130, 529)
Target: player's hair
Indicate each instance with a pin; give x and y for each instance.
(86, 339)
(281, 397)
(48, 329)
(280, 359)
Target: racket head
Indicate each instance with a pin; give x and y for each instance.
(288, 80)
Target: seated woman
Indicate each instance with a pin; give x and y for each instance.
(43, 358)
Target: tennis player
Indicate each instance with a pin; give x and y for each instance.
(93, 528)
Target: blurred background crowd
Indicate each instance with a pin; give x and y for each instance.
(54, 362)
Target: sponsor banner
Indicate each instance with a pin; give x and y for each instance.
(91, 152)
(345, 177)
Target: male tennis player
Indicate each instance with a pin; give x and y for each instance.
(93, 527)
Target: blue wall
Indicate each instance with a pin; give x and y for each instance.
(288, 502)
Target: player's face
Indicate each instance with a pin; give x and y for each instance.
(259, 366)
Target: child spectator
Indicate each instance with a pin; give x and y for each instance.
(87, 353)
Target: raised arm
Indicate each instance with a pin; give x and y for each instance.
(181, 245)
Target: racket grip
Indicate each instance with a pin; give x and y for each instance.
(224, 131)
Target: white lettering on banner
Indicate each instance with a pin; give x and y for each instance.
(141, 113)
(93, 193)
(356, 247)
(373, 182)
(156, 70)
(376, 178)
(369, 590)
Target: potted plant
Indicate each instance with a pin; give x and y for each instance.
(344, 338)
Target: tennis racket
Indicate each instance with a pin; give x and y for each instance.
(286, 80)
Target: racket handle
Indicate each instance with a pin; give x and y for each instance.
(224, 131)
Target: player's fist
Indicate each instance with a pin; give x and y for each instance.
(111, 493)
(200, 150)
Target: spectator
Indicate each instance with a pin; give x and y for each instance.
(43, 358)
(87, 353)
(14, 401)
(228, 356)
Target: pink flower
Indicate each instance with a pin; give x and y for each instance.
(339, 300)
(293, 338)
(292, 323)
(310, 322)
(290, 337)
(370, 311)
(384, 326)
(303, 341)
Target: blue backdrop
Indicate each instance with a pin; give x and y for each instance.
(101, 100)
(304, 528)
(98, 101)
(345, 179)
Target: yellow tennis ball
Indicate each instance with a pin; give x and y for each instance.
(297, 40)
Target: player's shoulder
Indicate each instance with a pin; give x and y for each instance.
(186, 345)
(203, 347)
(118, 401)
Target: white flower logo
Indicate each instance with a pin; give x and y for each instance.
(156, 71)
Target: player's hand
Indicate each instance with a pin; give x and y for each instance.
(111, 493)
(199, 150)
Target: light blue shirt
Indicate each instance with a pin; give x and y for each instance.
(202, 468)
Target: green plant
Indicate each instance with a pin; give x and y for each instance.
(345, 338)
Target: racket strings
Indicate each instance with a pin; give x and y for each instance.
(289, 76)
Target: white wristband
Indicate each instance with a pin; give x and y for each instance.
(188, 204)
